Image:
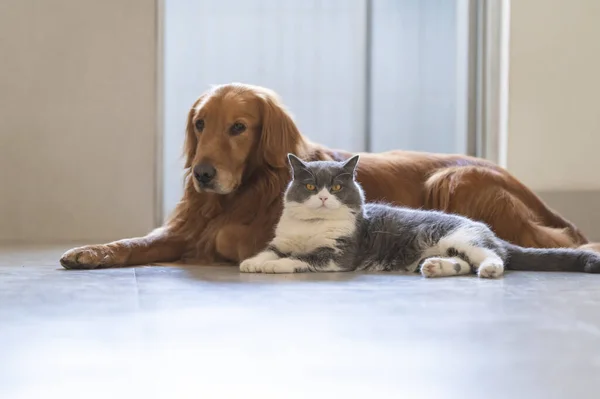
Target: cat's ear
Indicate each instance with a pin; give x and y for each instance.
(350, 165)
(296, 163)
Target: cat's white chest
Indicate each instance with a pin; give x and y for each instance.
(301, 236)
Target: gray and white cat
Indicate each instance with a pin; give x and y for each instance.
(327, 227)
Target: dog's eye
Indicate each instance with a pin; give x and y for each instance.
(336, 187)
(310, 187)
(237, 128)
(199, 125)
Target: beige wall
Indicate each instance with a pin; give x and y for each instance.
(554, 94)
(77, 119)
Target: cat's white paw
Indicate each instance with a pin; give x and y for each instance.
(279, 266)
(444, 267)
(432, 267)
(491, 270)
(251, 265)
(254, 264)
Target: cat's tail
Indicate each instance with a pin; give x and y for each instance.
(552, 259)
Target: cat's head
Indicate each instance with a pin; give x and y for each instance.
(323, 189)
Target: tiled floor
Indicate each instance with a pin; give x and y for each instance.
(210, 332)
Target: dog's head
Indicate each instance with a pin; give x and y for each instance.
(233, 130)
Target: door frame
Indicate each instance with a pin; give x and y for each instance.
(159, 184)
(491, 34)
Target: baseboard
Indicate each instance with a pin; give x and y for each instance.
(580, 207)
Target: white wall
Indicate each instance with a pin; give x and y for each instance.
(313, 52)
(554, 94)
(419, 75)
(77, 119)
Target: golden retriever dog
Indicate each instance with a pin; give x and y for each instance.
(236, 144)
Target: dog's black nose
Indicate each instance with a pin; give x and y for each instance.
(204, 173)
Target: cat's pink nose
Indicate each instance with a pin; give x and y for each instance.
(323, 198)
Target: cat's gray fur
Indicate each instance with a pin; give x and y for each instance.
(327, 230)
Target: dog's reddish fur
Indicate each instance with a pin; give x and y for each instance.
(236, 220)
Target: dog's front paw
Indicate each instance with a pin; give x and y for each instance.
(92, 257)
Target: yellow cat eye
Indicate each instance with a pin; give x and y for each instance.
(336, 187)
(310, 187)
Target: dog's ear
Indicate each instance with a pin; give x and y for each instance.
(279, 135)
(191, 140)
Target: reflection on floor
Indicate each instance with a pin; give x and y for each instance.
(210, 332)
